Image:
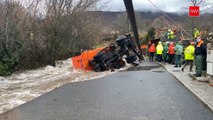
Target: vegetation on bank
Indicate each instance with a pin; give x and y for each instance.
(31, 36)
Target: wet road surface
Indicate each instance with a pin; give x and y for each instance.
(146, 92)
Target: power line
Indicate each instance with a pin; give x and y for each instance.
(200, 2)
(208, 6)
(171, 19)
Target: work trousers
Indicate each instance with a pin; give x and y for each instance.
(159, 57)
(178, 60)
(199, 60)
(188, 62)
(151, 56)
(171, 58)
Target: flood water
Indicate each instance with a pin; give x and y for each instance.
(23, 87)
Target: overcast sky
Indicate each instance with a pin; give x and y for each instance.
(144, 5)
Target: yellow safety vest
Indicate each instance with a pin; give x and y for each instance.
(189, 52)
(196, 33)
(171, 35)
(159, 49)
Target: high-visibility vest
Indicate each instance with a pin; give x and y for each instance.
(152, 48)
(200, 43)
(189, 52)
(159, 49)
(171, 35)
(196, 33)
(171, 49)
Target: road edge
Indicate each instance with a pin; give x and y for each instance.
(189, 88)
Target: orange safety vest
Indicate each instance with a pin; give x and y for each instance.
(171, 49)
(152, 48)
(200, 43)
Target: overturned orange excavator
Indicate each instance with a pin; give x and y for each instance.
(114, 56)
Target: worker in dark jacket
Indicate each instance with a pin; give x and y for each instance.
(200, 54)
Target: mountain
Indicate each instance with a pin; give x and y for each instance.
(118, 21)
(144, 15)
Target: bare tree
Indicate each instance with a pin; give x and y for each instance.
(68, 21)
(47, 32)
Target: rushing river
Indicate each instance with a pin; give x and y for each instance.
(22, 87)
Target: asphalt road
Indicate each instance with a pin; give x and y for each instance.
(140, 93)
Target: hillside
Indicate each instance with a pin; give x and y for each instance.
(118, 21)
(145, 15)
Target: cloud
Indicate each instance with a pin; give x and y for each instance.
(144, 5)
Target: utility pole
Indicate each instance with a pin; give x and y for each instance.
(7, 24)
(131, 14)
